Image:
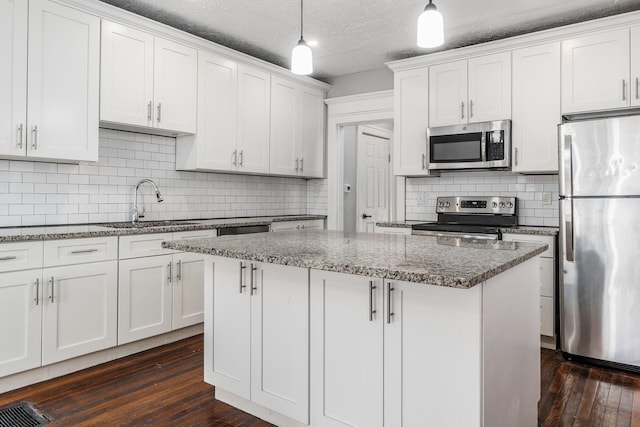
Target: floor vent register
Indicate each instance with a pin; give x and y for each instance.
(21, 415)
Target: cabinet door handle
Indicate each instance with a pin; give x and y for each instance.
(241, 157)
(84, 251)
(149, 111)
(179, 270)
(637, 90)
(297, 161)
(20, 131)
(170, 272)
(37, 291)
(254, 288)
(624, 90)
(462, 110)
(242, 285)
(424, 161)
(235, 157)
(390, 289)
(34, 139)
(301, 164)
(516, 156)
(8, 258)
(372, 287)
(51, 297)
(470, 108)
(159, 111)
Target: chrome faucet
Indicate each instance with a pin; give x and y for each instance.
(135, 216)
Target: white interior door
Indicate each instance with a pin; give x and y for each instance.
(373, 165)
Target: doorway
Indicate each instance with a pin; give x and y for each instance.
(367, 175)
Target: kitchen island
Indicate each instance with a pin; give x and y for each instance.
(326, 328)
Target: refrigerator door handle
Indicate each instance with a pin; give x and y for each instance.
(567, 157)
(568, 228)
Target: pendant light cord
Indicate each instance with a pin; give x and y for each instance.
(301, 20)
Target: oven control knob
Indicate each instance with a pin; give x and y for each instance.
(440, 204)
(501, 204)
(447, 204)
(494, 205)
(509, 205)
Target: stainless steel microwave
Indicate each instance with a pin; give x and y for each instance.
(485, 145)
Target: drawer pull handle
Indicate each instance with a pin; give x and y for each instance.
(8, 258)
(84, 251)
(37, 291)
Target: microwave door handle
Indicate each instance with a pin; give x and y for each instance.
(483, 147)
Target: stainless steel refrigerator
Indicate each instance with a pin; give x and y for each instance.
(599, 259)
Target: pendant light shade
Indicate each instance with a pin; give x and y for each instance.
(301, 59)
(430, 27)
(301, 56)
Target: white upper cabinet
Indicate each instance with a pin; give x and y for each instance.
(214, 144)
(254, 94)
(476, 90)
(126, 80)
(536, 108)
(448, 94)
(147, 81)
(490, 87)
(13, 77)
(297, 129)
(635, 66)
(595, 72)
(411, 113)
(57, 117)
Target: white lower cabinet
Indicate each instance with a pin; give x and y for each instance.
(21, 308)
(79, 310)
(159, 290)
(257, 341)
(347, 322)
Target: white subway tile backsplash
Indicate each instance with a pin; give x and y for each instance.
(34, 193)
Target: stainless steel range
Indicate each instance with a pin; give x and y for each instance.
(472, 217)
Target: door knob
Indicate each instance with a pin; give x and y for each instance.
(365, 216)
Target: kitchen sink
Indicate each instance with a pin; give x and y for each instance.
(146, 224)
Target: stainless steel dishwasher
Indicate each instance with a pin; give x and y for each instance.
(243, 229)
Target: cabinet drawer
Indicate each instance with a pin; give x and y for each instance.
(20, 256)
(311, 224)
(547, 277)
(549, 240)
(546, 316)
(196, 234)
(79, 251)
(144, 245)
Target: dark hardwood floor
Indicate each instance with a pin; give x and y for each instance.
(165, 387)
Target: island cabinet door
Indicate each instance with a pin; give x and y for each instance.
(280, 339)
(346, 350)
(227, 334)
(432, 355)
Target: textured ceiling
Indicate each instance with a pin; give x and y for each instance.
(360, 35)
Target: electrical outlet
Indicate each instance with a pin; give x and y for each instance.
(422, 198)
(546, 198)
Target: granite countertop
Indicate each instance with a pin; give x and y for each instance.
(52, 232)
(443, 261)
(521, 229)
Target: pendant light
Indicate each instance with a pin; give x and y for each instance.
(430, 27)
(301, 56)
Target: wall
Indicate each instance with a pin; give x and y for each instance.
(36, 193)
(364, 82)
(422, 193)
